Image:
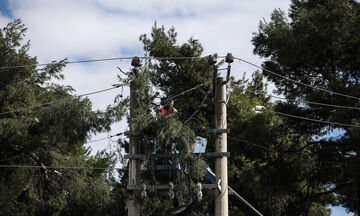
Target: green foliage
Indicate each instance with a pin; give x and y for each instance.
(49, 135)
(169, 133)
(317, 44)
(281, 178)
(173, 76)
(271, 163)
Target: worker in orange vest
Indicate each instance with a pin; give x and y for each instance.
(169, 109)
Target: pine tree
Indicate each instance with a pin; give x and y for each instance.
(316, 44)
(168, 134)
(49, 135)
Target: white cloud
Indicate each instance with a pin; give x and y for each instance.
(90, 29)
(95, 28)
(98, 29)
(4, 21)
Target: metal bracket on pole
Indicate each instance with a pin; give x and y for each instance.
(164, 187)
(219, 185)
(215, 154)
(219, 131)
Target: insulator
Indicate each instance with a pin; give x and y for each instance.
(204, 106)
(143, 190)
(199, 193)
(171, 190)
(229, 58)
(205, 87)
(203, 129)
(136, 62)
(212, 60)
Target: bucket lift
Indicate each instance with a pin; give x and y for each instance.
(168, 166)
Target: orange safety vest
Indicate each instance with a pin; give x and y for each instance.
(164, 110)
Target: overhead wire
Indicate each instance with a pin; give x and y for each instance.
(315, 120)
(60, 100)
(308, 102)
(297, 82)
(250, 143)
(304, 118)
(66, 62)
(181, 93)
(106, 59)
(108, 137)
(186, 91)
(184, 58)
(56, 167)
(270, 150)
(197, 110)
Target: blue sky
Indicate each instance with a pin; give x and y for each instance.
(91, 29)
(4, 8)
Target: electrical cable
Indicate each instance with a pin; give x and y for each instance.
(60, 100)
(315, 120)
(56, 167)
(304, 118)
(181, 93)
(197, 110)
(251, 143)
(105, 59)
(317, 103)
(263, 147)
(308, 102)
(108, 137)
(297, 82)
(186, 91)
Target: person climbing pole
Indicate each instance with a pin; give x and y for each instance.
(169, 109)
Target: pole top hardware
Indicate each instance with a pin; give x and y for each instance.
(229, 58)
(212, 60)
(136, 62)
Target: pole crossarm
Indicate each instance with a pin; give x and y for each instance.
(153, 156)
(165, 187)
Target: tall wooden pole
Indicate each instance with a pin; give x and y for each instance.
(134, 164)
(221, 197)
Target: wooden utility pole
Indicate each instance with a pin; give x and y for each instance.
(221, 196)
(134, 164)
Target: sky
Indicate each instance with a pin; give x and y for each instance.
(96, 29)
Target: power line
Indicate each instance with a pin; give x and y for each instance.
(304, 118)
(270, 150)
(298, 82)
(60, 100)
(315, 120)
(198, 109)
(108, 168)
(104, 59)
(186, 91)
(182, 93)
(56, 167)
(317, 103)
(68, 62)
(108, 137)
(309, 102)
(251, 143)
